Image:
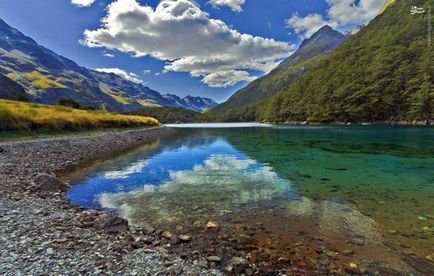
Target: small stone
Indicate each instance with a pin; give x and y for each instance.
(251, 232)
(282, 260)
(248, 271)
(185, 238)
(348, 252)
(167, 234)
(264, 256)
(214, 259)
(353, 268)
(229, 268)
(359, 241)
(426, 229)
(238, 261)
(212, 224)
(203, 263)
(50, 251)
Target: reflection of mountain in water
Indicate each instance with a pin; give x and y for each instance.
(128, 172)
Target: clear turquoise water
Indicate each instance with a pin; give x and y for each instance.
(378, 181)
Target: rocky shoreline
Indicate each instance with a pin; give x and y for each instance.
(42, 233)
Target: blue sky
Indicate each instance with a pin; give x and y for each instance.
(207, 48)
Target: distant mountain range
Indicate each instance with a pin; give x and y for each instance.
(243, 105)
(45, 76)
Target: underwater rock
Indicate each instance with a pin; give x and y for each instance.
(348, 252)
(112, 224)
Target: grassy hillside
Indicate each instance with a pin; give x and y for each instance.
(172, 114)
(29, 116)
(384, 72)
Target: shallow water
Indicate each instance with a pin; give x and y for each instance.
(367, 189)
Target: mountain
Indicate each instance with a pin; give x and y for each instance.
(197, 104)
(10, 89)
(243, 104)
(385, 72)
(46, 76)
(171, 115)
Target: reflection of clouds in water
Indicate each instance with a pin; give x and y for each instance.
(220, 184)
(340, 218)
(336, 219)
(126, 172)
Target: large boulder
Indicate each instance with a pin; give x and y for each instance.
(112, 224)
(46, 183)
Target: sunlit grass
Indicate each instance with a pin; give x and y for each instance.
(118, 96)
(387, 4)
(30, 116)
(40, 80)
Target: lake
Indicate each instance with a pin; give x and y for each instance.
(312, 194)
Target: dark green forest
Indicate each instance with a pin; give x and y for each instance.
(383, 73)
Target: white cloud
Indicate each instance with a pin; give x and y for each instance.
(108, 55)
(82, 3)
(341, 13)
(180, 33)
(146, 72)
(345, 12)
(126, 172)
(235, 5)
(121, 73)
(227, 78)
(307, 25)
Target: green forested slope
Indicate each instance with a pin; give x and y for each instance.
(383, 73)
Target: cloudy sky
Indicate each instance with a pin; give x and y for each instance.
(206, 48)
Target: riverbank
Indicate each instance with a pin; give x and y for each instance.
(43, 233)
(427, 123)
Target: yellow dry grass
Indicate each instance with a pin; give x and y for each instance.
(41, 81)
(30, 116)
